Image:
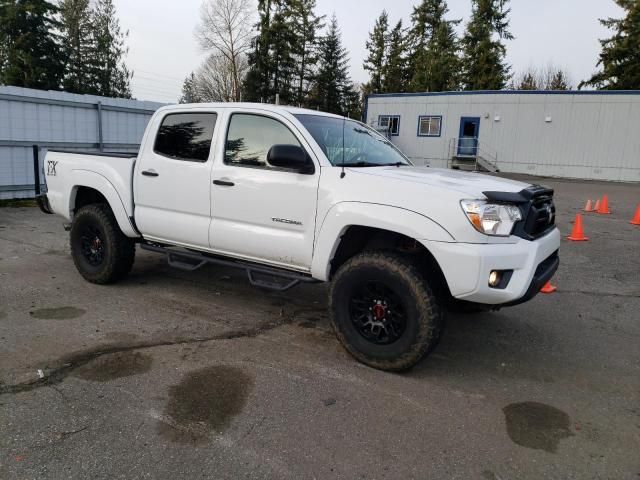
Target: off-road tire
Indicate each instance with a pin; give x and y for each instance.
(424, 312)
(119, 250)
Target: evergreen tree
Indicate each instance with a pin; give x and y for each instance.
(30, 51)
(190, 90)
(528, 82)
(332, 90)
(111, 75)
(434, 63)
(77, 30)
(484, 52)
(620, 56)
(305, 29)
(272, 63)
(257, 86)
(560, 81)
(377, 47)
(394, 76)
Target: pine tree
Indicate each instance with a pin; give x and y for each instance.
(434, 63)
(77, 31)
(332, 90)
(30, 51)
(257, 82)
(394, 77)
(559, 81)
(620, 56)
(111, 75)
(305, 29)
(377, 47)
(528, 82)
(484, 63)
(272, 63)
(190, 90)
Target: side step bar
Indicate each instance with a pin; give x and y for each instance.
(190, 261)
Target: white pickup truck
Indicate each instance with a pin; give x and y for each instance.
(293, 195)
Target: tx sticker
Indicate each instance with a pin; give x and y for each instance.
(51, 168)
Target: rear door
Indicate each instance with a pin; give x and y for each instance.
(260, 212)
(172, 184)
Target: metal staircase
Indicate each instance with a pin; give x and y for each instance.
(480, 157)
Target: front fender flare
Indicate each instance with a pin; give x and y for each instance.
(343, 215)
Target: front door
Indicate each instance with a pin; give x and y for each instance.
(260, 212)
(468, 139)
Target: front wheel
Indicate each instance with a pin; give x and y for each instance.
(101, 252)
(384, 312)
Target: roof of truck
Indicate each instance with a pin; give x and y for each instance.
(264, 106)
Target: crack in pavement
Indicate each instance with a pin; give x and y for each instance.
(74, 361)
(602, 294)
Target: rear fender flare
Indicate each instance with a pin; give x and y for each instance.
(86, 178)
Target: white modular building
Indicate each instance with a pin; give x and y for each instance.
(573, 134)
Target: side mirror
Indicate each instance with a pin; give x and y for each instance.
(291, 157)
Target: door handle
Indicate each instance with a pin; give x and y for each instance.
(223, 183)
(150, 173)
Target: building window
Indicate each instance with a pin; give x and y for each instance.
(186, 136)
(390, 124)
(429, 126)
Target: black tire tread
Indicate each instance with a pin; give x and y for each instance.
(432, 313)
(119, 264)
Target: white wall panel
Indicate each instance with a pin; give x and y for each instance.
(591, 135)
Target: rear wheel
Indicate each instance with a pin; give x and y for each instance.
(383, 310)
(101, 252)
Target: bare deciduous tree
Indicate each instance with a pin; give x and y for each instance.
(226, 30)
(215, 79)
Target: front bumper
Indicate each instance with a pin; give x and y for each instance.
(466, 268)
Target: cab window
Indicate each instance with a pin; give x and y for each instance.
(186, 136)
(250, 137)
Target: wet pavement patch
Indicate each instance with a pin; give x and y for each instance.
(536, 425)
(59, 313)
(3, 314)
(113, 366)
(205, 401)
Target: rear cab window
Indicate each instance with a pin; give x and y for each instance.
(186, 136)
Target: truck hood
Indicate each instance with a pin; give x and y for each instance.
(470, 185)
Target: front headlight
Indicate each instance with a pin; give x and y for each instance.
(491, 218)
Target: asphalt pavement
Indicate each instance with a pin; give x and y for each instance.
(170, 374)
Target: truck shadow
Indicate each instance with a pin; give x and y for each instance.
(494, 345)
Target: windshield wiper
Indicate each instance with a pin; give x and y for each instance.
(396, 164)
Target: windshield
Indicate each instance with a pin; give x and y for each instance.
(352, 143)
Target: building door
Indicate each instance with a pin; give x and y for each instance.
(468, 139)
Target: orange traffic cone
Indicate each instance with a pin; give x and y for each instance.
(604, 206)
(577, 235)
(596, 207)
(636, 217)
(548, 288)
(589, 206)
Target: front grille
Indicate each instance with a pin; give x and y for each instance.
(537, 208)
(540, 217)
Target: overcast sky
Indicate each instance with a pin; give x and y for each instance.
(162, 48)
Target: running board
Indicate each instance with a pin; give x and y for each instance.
(190, 261)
